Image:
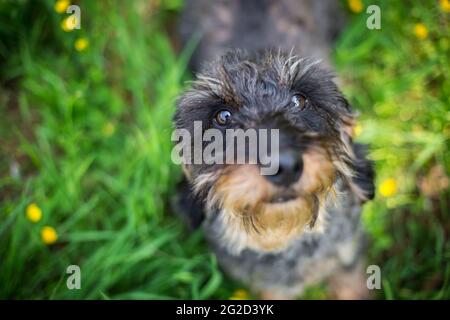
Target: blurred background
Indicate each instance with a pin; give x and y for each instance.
(85, 171)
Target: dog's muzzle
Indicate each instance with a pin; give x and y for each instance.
(289, 170)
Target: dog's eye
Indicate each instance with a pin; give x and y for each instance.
(299, 100)
(223, 118)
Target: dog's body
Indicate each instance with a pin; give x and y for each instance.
(276, 247)
(308, 26)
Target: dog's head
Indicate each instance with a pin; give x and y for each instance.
(270, 90)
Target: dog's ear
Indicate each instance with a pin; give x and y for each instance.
(187, 205)
(364, 173)
(363, 178)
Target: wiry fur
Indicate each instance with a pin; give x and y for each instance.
(280, 247)
(248, 83)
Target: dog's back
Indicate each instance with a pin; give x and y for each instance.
(307, 27)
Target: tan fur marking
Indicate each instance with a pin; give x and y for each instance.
(244, 196)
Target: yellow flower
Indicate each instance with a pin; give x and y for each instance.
(61, 6)
(445, 5)
(355, 6)
(69, 23)
(239, 294)
(108, 129)
(357, 130)
(34, 213)
(81, 44)
(49, 235)
(421, 31)
(388, 187)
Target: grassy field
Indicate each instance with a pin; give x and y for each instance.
(85, 169)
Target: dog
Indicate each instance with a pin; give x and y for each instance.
(280, 233)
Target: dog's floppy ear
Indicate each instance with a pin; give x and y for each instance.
(363, 178)
(364, 173)
(187, 205)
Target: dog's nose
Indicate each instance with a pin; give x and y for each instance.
(289, 170)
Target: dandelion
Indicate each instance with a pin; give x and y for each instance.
(239, 294)
(34, 213)
(61, 6)
(355, 6)
(357, 130)
(81, 44)
(49, 235)
(388, 187)
(445, 5)
(108, 129)
(69, 23)
(421, 31)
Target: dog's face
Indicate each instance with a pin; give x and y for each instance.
(273, 91)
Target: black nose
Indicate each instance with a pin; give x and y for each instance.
(289, 171)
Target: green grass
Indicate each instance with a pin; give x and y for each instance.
(401, 86)
(90, 134)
